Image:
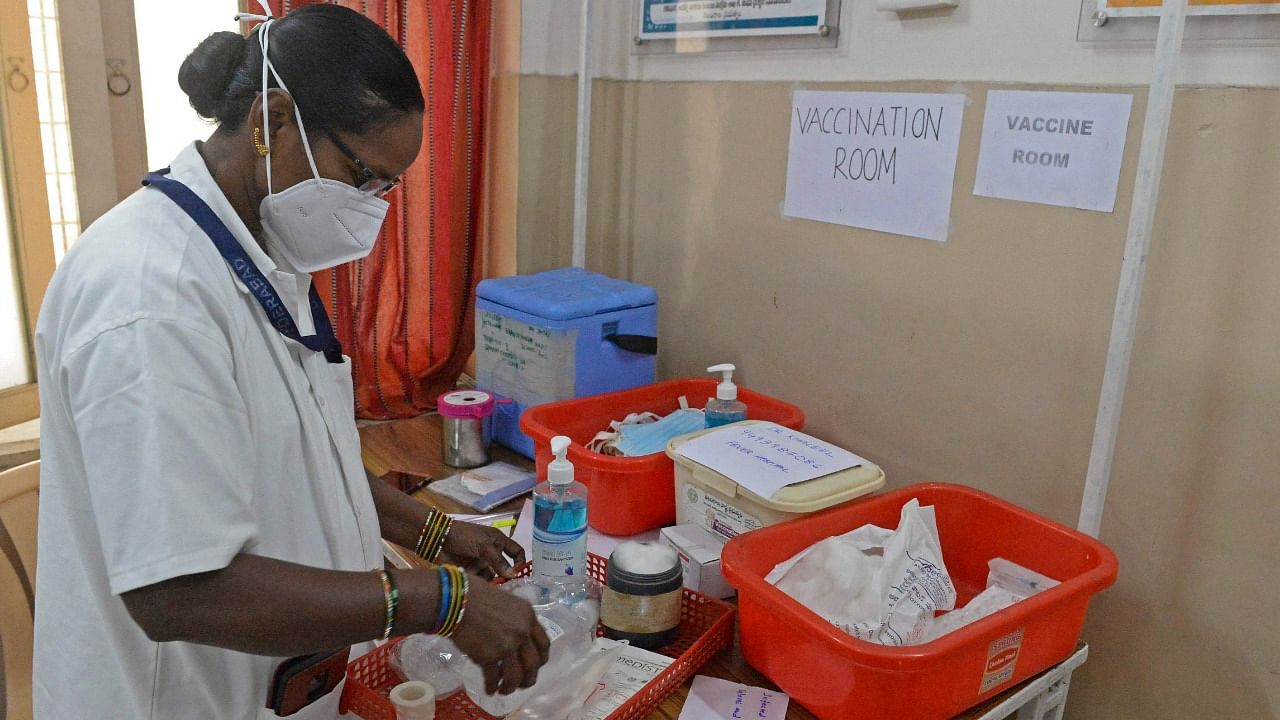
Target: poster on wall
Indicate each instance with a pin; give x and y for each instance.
(880, 161)
(1054, 148)
(1141, 8)
(730, 18)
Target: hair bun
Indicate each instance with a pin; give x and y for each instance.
(207, 72)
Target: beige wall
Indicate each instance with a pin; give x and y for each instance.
(979, 360)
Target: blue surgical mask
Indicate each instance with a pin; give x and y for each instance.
(649, 438)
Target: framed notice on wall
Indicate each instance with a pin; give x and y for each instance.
(664, 19)
(1142, 8)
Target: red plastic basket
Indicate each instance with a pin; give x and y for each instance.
(838, 676)
(706, 627)
(629, 495)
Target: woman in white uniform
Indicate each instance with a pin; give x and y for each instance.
(209, 541)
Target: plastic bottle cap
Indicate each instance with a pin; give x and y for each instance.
(726, 390)
(560, 470)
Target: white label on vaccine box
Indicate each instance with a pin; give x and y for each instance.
(699, 552)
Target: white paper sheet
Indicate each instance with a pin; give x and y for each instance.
(713, 699)
(881, 161)
(766, 457)
(1053, 148)
(634, 668)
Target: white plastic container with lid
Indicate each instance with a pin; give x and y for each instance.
(717, 503)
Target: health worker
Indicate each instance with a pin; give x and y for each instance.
(209, 542)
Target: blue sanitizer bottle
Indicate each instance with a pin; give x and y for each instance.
(725, 408)
(560, 519)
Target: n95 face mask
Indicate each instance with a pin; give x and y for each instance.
(318, 223)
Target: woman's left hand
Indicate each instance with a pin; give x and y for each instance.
(482, 550)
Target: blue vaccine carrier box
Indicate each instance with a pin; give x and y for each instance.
(560, 335)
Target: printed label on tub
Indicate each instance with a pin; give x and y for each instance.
(718, 516)
(1002, 661)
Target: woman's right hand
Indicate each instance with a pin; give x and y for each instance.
(501, 634)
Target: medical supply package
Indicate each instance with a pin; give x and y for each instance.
(485, 488)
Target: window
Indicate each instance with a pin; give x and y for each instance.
(170, 122)
(30, 91)
(14, 367)
(55, 133)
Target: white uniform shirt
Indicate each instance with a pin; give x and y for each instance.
(179, 428)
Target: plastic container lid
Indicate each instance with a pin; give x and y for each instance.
(804, 497)
(465, 404)
(566, 294)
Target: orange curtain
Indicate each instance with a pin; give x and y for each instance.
(405, 313)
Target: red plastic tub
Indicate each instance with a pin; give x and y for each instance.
(837, 676)
(629, 495)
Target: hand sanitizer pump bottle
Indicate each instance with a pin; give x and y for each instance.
(725, 408)
(560, 519)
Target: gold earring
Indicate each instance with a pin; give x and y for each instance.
(257, 143)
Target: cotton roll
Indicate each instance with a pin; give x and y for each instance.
(414, 700)
(644, 558)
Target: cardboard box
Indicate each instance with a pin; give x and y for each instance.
(699, 552)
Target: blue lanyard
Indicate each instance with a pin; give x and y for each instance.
(241, 264)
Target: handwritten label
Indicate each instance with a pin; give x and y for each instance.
(881, 161)
(730, 18)
(1053, 148)
(525, 362)
(713, 699)
(766, 457)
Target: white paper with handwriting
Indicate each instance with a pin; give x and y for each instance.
(712, 699)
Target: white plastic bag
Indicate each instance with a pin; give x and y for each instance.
(570, 640)
(562, 697)
(1007, 583)
(879, 585)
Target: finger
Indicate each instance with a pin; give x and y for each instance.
(531, 660)
(512, 674)
(494, 562)
(515, 551)
(492, 676)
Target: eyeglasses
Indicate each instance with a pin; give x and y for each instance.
(368, 181)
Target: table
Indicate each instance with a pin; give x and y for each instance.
(412, 447)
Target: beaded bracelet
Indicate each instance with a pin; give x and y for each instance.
(433, 534)
(391, 595)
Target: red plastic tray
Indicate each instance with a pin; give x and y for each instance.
(706, 627)
(629, 495)
(837, 676)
